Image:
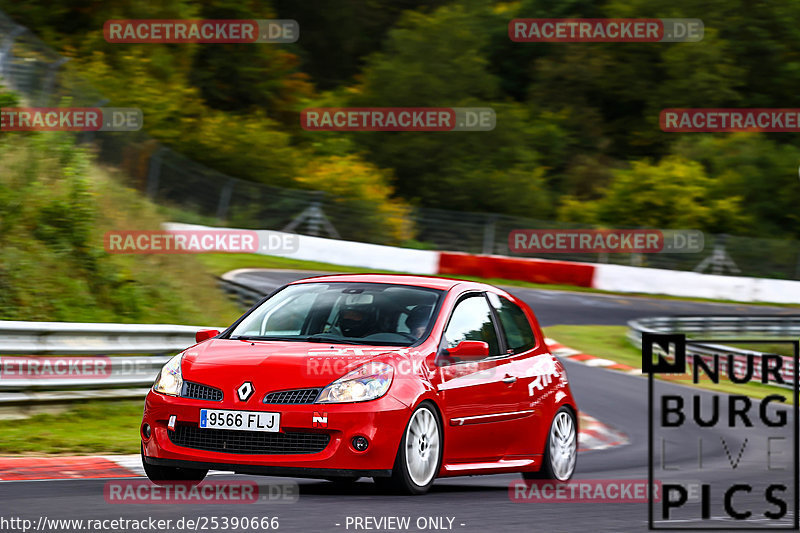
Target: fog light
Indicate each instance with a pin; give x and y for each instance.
(360, 443)
(146, 431)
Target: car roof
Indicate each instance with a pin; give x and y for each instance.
(430, 282)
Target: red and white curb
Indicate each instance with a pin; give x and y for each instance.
(594, 435)
(559, 350)
(32, 468)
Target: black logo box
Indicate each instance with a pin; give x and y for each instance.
(675, 344)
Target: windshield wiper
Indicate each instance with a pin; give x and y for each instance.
(314, 338)
(332, 340)
(362, 342)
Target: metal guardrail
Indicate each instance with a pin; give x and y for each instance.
(764, 327)
(41, 338)
(146, 347)
(130, 355)
(245, 296)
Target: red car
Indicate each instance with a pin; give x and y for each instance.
(400, 378)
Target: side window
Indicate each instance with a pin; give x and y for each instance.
(472, 321)
(519, 335)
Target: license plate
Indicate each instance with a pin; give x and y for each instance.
(241, 420)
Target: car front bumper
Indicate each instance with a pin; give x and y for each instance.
(381, 421)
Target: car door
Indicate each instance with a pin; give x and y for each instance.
(480, 397)
(536, 370)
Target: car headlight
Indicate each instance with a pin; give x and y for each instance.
(366, 382)
(169, 380)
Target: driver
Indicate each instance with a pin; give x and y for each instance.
(417, 320)
(357, 320)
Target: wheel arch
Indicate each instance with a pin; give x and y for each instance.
(431, 398)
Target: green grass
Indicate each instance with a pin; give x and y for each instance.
(219, 264)
(610, 342)
(781, 349)
(95, 427)
(56, 205)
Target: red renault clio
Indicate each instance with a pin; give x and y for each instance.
(400, 378)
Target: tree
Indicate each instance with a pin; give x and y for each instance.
(336, 37)
(759, 170)
(439, 60)
(674, 193)
(362, 198)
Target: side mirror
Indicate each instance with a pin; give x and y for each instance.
(467, 351)
(205, 334)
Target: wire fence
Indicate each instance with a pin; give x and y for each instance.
(193, 192)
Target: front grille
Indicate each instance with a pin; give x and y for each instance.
(250, 442)
(293, 396)
(197, 391)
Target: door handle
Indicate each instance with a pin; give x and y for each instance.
(509, 379)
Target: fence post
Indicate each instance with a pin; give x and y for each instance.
(224, 201)
(47, 91)
(719, 260)
(797, 268)
(488, 234)
(314, 218)
(88, 136)
(153, 173)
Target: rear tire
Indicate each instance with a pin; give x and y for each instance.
(169, 475)
(560, 450)
(419, 456)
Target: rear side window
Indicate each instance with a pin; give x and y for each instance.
(519, 335)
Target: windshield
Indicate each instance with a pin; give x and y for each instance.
(349, 313)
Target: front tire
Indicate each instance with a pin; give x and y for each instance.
(419, 457)
(561, 449)
(169, 475)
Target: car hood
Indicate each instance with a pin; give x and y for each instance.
(277, 365)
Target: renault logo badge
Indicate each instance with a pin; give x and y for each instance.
(245, 390)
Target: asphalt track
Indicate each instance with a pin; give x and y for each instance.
(483, 503)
